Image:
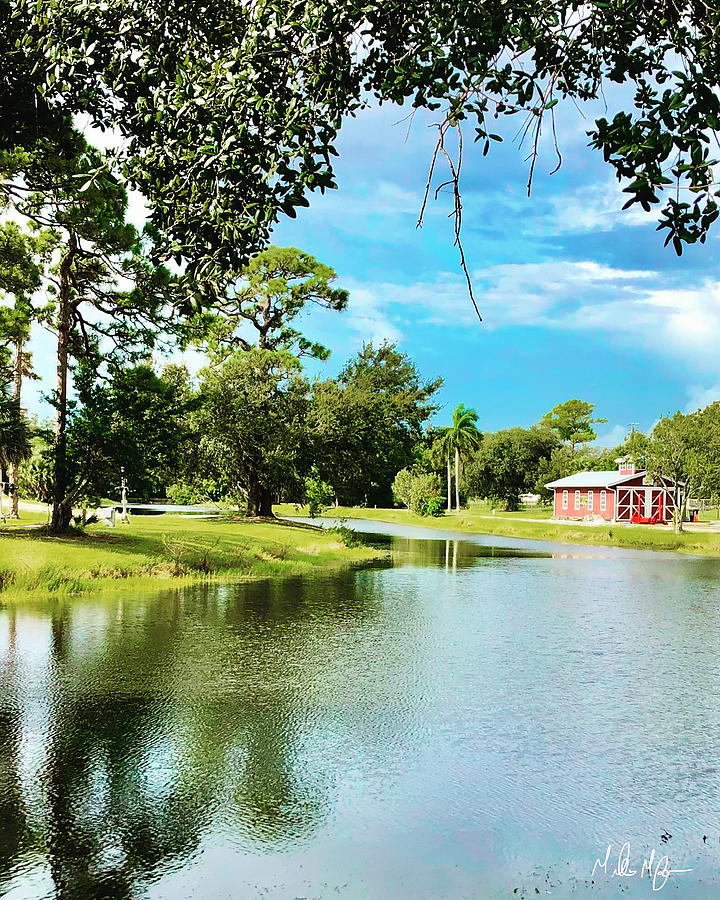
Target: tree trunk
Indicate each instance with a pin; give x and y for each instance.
(677, 520)
(15, 468)
(457, 479)
(259, 500)
(449, 479)
(62, 510)
(253, 496)
(266, 503)
(680, 508)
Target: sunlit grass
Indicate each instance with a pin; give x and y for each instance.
(153, 548)
(638, 537)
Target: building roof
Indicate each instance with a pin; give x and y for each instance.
(593, 479)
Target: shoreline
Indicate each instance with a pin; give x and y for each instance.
(164, 551)
(634, 537)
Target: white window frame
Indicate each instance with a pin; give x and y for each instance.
(565, 500)
(577, 499)
(603, 501)
(590, 501)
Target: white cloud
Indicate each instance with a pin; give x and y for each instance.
(137, 211)
(699, 397)
(593, 208)
(616, 435)
(368, 315)
(633, 305)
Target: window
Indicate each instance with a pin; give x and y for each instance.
(603, 501)
(577, 499)
(590, 500)
(565, 500)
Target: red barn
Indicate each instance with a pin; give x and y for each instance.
(623, 495)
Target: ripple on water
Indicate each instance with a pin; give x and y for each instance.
(469, 721)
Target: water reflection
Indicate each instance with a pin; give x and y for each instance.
(165, 716)
(430, 729)
(449, 553)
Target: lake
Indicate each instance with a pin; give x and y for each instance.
(478, 718)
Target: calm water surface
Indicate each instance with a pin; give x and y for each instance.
(473, 719)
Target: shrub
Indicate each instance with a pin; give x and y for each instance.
(199, 490)
(433, 506)
(426, 497)
(36, 476)
(182, 494)
(346, 536)
(318, 494)
(402, 486)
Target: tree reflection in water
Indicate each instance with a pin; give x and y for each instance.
(167, 718)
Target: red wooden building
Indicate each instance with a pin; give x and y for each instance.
(622, 495)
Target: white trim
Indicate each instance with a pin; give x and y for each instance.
(590, 500)
(577, 499)
(565, 500)
(593, 479)
(603, 501)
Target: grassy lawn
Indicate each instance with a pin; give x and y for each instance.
(480, 508)
(710, 515)
(476, 520)
(160, 547)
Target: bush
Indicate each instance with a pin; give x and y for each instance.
(318, 494)
(433, 506)
(402, 486)
(36, 476)
(346, 535)
(182, 494)
(201, 490)
(426, 497)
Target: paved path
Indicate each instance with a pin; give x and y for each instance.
(25, 506)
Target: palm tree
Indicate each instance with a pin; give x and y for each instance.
(14, 433)
(458, 439)
(444, 449)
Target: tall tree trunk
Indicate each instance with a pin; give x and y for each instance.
(266, 503)
(449, 479)
(457, 479)
(62, 509)
(15, 469)
(253, 497)
(259, 500)
(682, 496)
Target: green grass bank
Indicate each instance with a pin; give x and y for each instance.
(535, 526)
(157, 550)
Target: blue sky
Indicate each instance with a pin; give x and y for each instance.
(579, 299)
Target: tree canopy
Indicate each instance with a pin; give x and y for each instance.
(251, 426)
(509, 463)
(572, 422)
(369, 421)
(270, 292)
(135, 423)
(686, 449)
(229, 112)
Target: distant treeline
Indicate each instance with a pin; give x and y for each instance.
(250, 430)
(501, 466)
